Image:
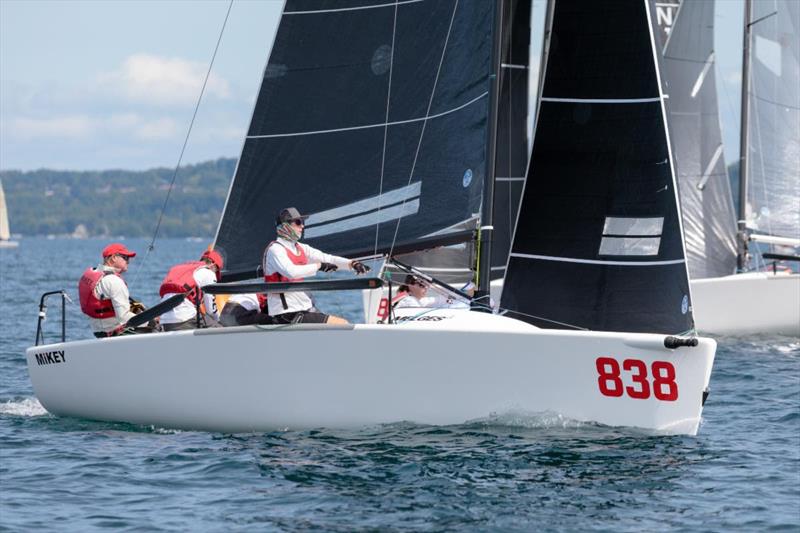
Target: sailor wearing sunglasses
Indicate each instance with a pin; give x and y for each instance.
(104, 294)
(286, 259)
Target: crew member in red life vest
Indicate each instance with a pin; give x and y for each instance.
(191, 277)
(104, 294)
(285, 259)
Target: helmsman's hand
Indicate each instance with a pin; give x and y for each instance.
(328, 267)
(359, 267)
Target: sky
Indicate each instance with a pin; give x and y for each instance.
(94, 85)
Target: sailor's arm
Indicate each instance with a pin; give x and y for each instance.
(113, 288)
(317, 256)
(203, 277)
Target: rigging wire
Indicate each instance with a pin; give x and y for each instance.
(425, 122)
(386, 128)
(504, 311)
(151, 246)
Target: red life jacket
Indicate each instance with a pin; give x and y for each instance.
(90, 304)
(180, 278)
(298, 259)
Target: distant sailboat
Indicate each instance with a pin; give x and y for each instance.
(5, 233)
(747, 300)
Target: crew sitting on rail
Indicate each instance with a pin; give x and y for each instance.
(285, 259)
(245, 309)
(104, 294)
(189, 278)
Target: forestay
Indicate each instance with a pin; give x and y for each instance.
(705, 194)
(773, 131)
(598, 244)
(372, 118)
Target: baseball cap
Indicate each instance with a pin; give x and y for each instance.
(288, 214)
(215, 257)
(117, 248)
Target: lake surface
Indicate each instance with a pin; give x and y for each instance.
(741, 472)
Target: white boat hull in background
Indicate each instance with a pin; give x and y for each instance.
(747, 304)
(434, 367)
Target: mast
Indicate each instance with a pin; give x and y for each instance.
(486, 229)
(741, 260)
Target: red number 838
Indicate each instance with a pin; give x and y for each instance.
(609, 379)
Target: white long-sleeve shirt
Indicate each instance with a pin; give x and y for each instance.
(186, 309)
(277, 260)
(112, 288)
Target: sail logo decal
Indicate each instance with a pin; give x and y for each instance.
(49, 358)
(631, 236)
(385, 207)
(665, 16)
(663, 384)
(467, 179)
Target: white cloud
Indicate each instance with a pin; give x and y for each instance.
(83, 127)
(158, 80)
(68, 127)
(154, 130)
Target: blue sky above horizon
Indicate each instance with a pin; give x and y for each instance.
(90, 85)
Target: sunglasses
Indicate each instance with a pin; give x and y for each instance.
(126, 258)
(298, 222)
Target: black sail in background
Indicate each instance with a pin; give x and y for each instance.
(323, 139)
(454, 264)
(709, 222)
(511, 153)
(598, 244)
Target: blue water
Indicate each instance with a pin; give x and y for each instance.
(741, 472)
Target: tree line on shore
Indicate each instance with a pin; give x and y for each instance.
(128, 203)
(118, 202)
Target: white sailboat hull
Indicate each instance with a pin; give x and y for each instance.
(438, 367)
(746, 304)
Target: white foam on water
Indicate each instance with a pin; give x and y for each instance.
(792, 348)
(530, 420)
(26, 407)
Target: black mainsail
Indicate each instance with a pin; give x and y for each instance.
(709, 221)
(598, 243)
(372, 117)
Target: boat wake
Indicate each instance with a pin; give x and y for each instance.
(530, 420)
(28, 407)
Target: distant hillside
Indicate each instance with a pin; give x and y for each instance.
(123, 202)
(118, 202)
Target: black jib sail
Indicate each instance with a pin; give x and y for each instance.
(371, 118)
(709, 221)
(598, 243)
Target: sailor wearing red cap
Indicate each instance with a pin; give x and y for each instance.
(285, 259)
(104, 294)
(189, 278)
